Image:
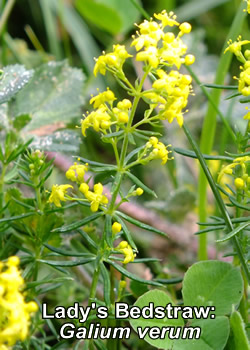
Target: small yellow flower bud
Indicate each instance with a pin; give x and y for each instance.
(116, 228)
(84, 188)
(189, 59)
(123, 117)
(13, 261)
(239, 183)
(139, 191)
(123, 284)
(185, 28)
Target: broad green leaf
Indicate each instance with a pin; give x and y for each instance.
(79, 223)
(213, 283)
(12, 80)
(60, 141)
(126, 11)
(100, 14)
(53, 95)
(239, 336)
(131, 275)
(158, 298)
(234, 232)
(214, 335)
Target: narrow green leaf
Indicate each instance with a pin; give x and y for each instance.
(67, 263)
(210, 229)
(45, 281)
(224, 87)
(91, 162)
(16, 217)
(78, 224)
(170, 280)
(108, 230)
(192, 154)
(140, 184)
(106, 284)
(113, 134)
(126, 232)
(87, 239)
(234, 232)
(66, 252)
(133, 153)
(132, 276)
(141, 225)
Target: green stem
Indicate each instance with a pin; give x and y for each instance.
(209, 125)
(94, 283)
(219, 201)
(6, 13)
(4, 168)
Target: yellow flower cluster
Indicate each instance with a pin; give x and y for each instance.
(96, 198)
(127, 251)
(113, 61)
(156, 149)
(14, 311)
(171, 91)
(244, 78)
(239, 169)
(58, 193)
(105, 114)
(76, 172)
(160, 47)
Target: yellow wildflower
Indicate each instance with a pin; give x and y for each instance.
(14, 311)
(99, 120)
(235, 47)
(95, 198)
(159, 151)
(127, 251)
(121, 112)
(239, 169)
(58, 194)
(114, 60)
(116, 228)
(76, 172)
(167, 19)
(101, 98)
(244, 80)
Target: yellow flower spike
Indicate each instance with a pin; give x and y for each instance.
(101, 98)
(15, 312)
(127, 251)
(58, 194)
(76, 172)
(239, 183)
(116, 228)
